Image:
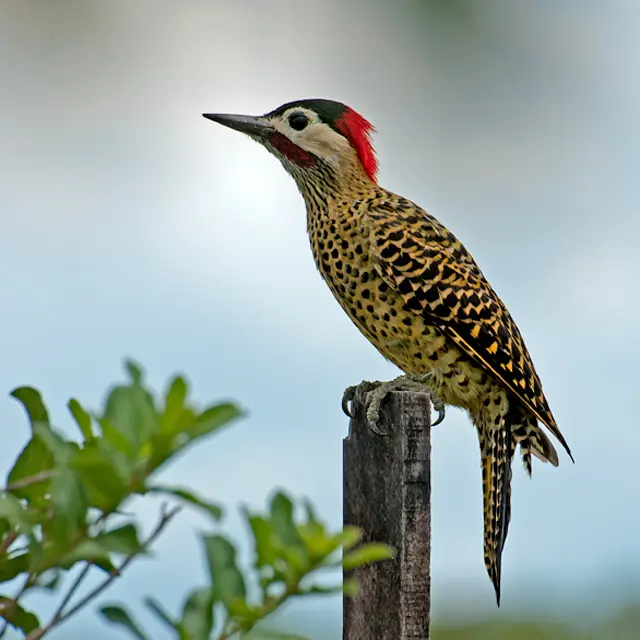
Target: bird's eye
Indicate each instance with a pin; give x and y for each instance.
(298, 121)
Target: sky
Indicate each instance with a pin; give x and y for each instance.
(132, 227)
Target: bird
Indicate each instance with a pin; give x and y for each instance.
(416, 293)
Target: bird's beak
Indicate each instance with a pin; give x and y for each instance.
(245, 124)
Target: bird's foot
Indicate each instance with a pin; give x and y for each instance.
(377, 391)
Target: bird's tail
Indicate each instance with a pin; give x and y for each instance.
(531, 438)
(497, 448)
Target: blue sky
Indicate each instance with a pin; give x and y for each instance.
(133, 227)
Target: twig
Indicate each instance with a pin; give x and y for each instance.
(83, 574)
(23, 483)
(74, 587)
(60, 617)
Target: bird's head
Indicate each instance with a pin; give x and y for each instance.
(315, 139)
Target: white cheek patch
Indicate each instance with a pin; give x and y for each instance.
(324, 142)
(317, 138)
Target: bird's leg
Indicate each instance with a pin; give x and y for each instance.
(377, 391)
(402, 383)
(350, 393)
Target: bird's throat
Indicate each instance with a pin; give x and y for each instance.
(291, 151)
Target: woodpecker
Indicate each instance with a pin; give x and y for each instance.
(416, 294)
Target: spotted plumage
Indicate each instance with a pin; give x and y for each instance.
(414, 291)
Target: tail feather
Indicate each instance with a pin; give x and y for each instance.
(498, 442)
(497, 452)
(531, 438)
(511, 448)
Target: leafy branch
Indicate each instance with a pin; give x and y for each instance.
(63, 502)
(290, 553)
(60, 616)
(62, 495)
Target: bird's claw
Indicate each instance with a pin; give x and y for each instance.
(438, 406)
(347, 397)
(377, 391)
(350, 393)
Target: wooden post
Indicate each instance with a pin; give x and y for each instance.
(387, 493)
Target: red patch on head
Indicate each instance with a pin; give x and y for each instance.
(358, 131)
(292, 151)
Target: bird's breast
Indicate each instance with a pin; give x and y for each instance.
(342, 252)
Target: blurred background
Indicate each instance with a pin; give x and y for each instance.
(133, 227)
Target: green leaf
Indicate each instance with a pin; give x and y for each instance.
(318, 544)
(116, 438)
(21, 522)
(82, 418)
(190, 497)
(12, 510)
(176, 394)
(282, 518)
(33, 459)
(285, 528)
(348, 537)
(31, 400)
(60, 449)
(263, 537)
(12, 567)
(17, 616)
(69, 504)
(180, 431)
(89, 550)
(104, 474)
(365, 554)
(226, 579)
(197, 616)
(135, 371)
(160, 613)
(212, 419)
(118, 616)
(122, 540)
(105, 565)
(163, 447)
(130, 415)
(321, 547)
(132, 412)
(310, 512)
(317, 590)
(174, 405)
